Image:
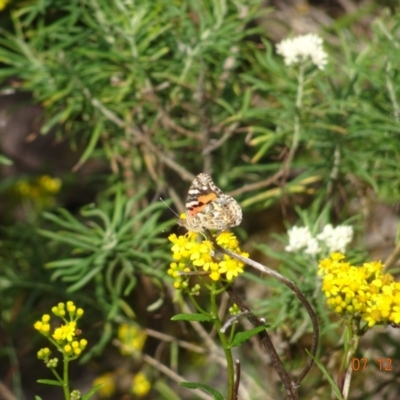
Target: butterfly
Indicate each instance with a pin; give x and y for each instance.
(207, 207)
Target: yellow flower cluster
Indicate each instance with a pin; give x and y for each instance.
(63, 336)
(3, 4)
(43, 185)
(132, 339)
(191, 254)
(76, 347)
(363, 291)
(65, 332)
(43, 326)
(44, 353)
(140, 385)
(41, 190)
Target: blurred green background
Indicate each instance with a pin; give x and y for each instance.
(107, 106)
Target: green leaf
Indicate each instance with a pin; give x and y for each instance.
(118, 210)
(165, 391)
(246, 101)
(66, 220)
(51, 122)
(192, 385)
(50, 382)
(82, 282)
(5, 160)
(156, 305)
(192, 317)
(63, 237)
(333, 384)
(92, 391)
(97, 130)
(66, 262)
(241, 337)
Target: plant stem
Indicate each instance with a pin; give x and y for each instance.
(225, 345)
(65, 378)
(354, 339)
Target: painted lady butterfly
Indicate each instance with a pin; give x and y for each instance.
(208, 208)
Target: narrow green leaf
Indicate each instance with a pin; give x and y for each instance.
(192, 385)
(241, 337)
(66, 262)
(66, 220)
(156, 305)
(50, 382)
(92, 391)
(118, 209)
(225, 104)
(97, 212)
(5, 160)
(85, 280)
(165, 391)
(192, 317)
(333, 384)
(98, 129)
(246, 101)
(51, 122)
(63, 237)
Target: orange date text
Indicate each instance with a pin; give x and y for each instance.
(360, 364)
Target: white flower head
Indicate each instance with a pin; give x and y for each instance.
(300, 48)
(336, 239)
(298, 238)
(312, 247)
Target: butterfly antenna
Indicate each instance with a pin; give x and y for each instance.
(161, 199)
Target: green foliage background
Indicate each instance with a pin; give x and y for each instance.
(162, 90)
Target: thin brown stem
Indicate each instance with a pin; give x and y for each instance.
(141, 138)
(237, 380)
(293, 288)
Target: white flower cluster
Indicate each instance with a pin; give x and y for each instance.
(300, 48)
(333, 239)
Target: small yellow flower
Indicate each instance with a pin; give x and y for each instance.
(395, 315)
(132, 338)
(44, 353)
(38, 325)
(234, 309)
(108, 388)
(140, 385)
(337, 257)
(46, 318)
(59, 310)
(68, 349)
(23, 187)
(215, 276)
(231, 268)
(3, 4)
(71, 308)
(43, 326)
(49, 184)
(65, 332)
